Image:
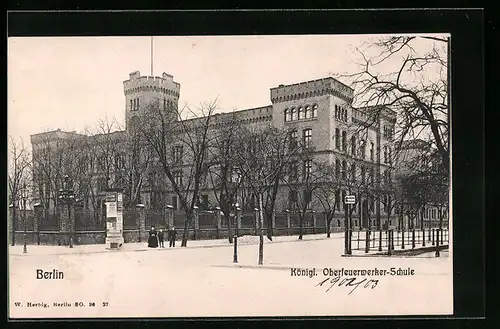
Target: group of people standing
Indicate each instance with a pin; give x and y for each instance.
(156, 239)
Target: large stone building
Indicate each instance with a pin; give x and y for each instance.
(318, 111)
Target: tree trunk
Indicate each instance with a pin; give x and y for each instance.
(328, 225)
(301, 229)
(269, 218)
(14, 223)
(261, 237)
(230, 227)
(187, 223)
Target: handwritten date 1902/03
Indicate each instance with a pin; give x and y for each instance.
(354, 282)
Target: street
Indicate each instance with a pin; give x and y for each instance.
(204, 282)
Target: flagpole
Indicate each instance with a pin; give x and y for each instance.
(151, 55)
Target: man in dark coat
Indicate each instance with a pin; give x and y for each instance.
(160, 238)
(172, 234)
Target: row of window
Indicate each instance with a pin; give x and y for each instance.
(300, 113)
(388, 132)
(168, 103)
(341, 145)
(341, 171)
(340, 113)
(306, 138)
(135, 104)
(387, 155)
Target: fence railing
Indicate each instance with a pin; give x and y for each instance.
(389, 240)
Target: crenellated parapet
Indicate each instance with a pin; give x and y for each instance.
(313, 88)
(164, 84)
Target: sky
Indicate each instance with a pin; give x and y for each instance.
(72, 82)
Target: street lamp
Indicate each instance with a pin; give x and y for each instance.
(67, 196)
(24, 197)
(236, 208)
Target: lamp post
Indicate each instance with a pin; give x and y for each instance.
(67, 196)
(235, 237)
(24, 196)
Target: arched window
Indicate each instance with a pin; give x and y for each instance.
(336, 111)
(286, 115)
(294, 114)
(308, 112)
(344, 169)
(315, 111)
(301, 113)
(337, 168)
(363, 149)
(344, 141)
(353, 145)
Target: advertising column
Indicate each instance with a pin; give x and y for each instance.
(114, 219)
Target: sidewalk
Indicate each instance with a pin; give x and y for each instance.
(35, 250)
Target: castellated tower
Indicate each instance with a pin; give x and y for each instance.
(142, 90)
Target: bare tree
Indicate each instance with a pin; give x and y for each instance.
(303, 178)
(168, 137)
(224, 171)
(264, 158)
(416, 87)
(19, 176)
(327, 193)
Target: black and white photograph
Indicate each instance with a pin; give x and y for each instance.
(229, 176)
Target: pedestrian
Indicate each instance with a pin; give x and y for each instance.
(160, 238)
(153, 238)
(172, 234)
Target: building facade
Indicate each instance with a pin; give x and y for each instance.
(317, 111)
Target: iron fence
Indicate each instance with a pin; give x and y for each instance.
(88, 220)
(130, 219)
(49, 221)
(366, 240)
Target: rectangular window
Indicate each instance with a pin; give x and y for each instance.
(292, 199)
(178, 178)
(337, 138)
(337, 168)
(307, 168)
(178, 152)
(344, 170)
(363, 175)
(294, 170)
(204, 201)
(307, 135)
(337, 199)
(372, 151)
(131, 105)
(353, 172)
(293, 140)
(344, 141)
(307, 196)
(174, 202)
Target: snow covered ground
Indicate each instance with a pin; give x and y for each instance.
(203, 281)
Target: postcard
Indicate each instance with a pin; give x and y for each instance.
(229, 176)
